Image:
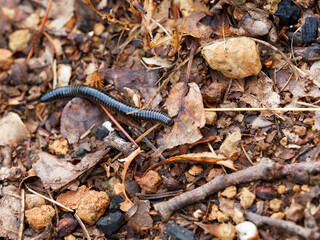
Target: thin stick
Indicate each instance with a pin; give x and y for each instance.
(137, 140)
(297, 72)
(82, 226)
(246, 154)
(306, 233)
(119, 126)
(49, 199)
(41, 28)
(21, 227)
(266, 169)
(261, 109)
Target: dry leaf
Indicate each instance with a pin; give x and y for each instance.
(56, 173)
(190, 119)
(120, 188)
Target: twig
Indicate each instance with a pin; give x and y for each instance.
(266, 169)
(297, 72)
(246, 154)
(41, 28)
(49, 199)
(307, 233)
(261, 109)
(82, 226)
(21, 227)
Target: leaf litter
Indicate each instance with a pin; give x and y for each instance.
(156, 52)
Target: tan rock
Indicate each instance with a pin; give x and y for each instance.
(275, 204)
(234, 57)
(213, 215)
(230, 144)
(59, 146)
(295, 212)
(90, 205)
(246, 198)
(222, 217)
(278, 215)
(5, 58)
(33, 201)
(230, 192)
(195, 170)
(150, 182)
(40, 217)
(211, 118)
(19, 39)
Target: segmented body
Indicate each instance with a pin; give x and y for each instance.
(97, 96)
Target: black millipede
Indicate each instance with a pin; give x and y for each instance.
(97, 96)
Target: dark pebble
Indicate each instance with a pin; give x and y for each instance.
(79, 153)
(265, 193)
(111, 223)
(253, 208)
(310, 29)
(179, 233)
(115, 204)
(101, 132)
(66, 226)
(288, 13)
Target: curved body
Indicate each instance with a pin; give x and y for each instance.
(97, 96)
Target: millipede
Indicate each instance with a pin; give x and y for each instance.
(97, 96)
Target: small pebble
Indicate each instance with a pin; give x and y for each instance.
(19, 40)
(294, 212)
(296, 188)
(33, 201)
(278, 215)
(275, 204)
(195, 170)
(305, 188)
(246, 198)
(265, 193)
(308, 121)
(115, 204)
(40, 217)
(234, 57)
(66, 226)
(111, 223)
(284, 141)
(222, 217)
(310, 29)
(179, 233)
(150, 182)
(300, 130)
(282, 189)
(101, 132)
(230, 192)
(288, 13)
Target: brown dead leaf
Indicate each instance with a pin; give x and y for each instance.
(56, 173)
(193, 27)
(190, 119)
(77, 117)
(10, 207)
(141, 218)
(120, 187)
(206, 157)
(260, 92)
(61, 11)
